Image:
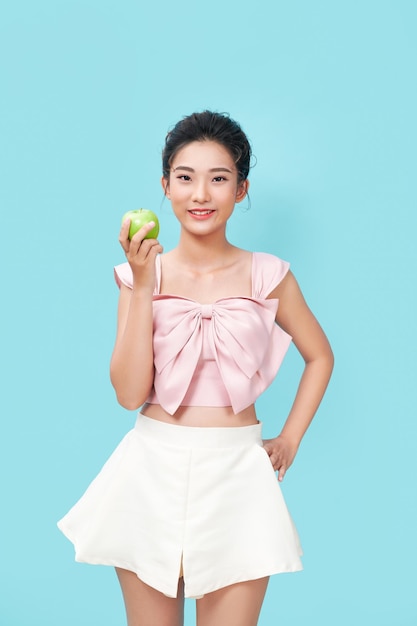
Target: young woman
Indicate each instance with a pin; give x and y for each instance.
(188, 504)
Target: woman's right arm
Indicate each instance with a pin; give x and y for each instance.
(131, 366)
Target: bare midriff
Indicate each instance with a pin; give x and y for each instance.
(202, 416)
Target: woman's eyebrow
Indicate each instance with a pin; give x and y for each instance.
(213, 169)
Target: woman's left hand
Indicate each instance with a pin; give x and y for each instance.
(281, 453)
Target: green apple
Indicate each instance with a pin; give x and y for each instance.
(140, 217)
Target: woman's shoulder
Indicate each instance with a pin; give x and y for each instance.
(268, 270)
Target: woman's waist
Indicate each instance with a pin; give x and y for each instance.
(197, 436)
(202, 416)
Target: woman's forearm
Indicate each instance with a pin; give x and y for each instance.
(310, 392)
(131, 367)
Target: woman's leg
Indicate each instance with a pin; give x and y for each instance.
(235, 605)
(146, 606)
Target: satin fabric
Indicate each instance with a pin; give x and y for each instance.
(239, 334)
(248, 347)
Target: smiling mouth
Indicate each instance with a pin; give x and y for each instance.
(201, 212)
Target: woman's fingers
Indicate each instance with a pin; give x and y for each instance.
(124, 235)
(138, 241)
(280, 455)
(274, 456)
(281, 472)
(142, 232)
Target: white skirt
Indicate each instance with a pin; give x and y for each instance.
(204, 502)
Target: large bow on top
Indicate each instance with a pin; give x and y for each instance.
(247, 344)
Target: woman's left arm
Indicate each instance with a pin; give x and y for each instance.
(297, 320)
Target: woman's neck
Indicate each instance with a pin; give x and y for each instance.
(203, 252)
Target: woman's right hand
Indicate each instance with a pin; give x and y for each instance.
(140, 253)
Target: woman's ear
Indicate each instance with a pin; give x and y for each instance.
(165, 186)
(242, 190)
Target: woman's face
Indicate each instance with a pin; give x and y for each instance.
(203, 186)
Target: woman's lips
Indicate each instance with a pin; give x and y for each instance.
(201, 214)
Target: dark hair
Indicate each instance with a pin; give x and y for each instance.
(209, 126)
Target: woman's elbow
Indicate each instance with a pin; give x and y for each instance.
(130, 397)
(129, 405)
(322, 359)
(327, 360)
(130, 402)
(330, 355)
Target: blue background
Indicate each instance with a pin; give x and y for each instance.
(327, 93)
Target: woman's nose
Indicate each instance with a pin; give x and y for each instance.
(200, 192)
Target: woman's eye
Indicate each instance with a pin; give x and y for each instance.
(184, 177)
(219, 179)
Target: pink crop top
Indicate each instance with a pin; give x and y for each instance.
(221, 354)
